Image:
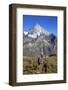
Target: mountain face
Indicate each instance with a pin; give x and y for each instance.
(39, 41)
(37, 30)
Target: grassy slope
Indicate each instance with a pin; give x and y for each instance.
(30, 65)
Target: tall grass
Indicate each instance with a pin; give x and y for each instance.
(30, 65)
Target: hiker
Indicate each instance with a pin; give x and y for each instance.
(40, 63)
(40, 60)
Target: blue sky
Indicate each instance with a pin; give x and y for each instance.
(47, 22)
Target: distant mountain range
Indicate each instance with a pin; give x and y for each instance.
(39, 41)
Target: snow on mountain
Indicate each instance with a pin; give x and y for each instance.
(25, 33)
(32, 36)
(36, 30)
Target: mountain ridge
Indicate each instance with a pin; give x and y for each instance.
(38, 40)
(36, 30)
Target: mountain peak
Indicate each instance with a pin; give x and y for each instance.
(35, 28)
(38, 29)
(37, 24)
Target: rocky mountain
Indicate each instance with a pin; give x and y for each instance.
(39, 41)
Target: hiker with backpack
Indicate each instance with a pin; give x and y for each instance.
(41, 64)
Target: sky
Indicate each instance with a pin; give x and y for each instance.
(49, 23)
